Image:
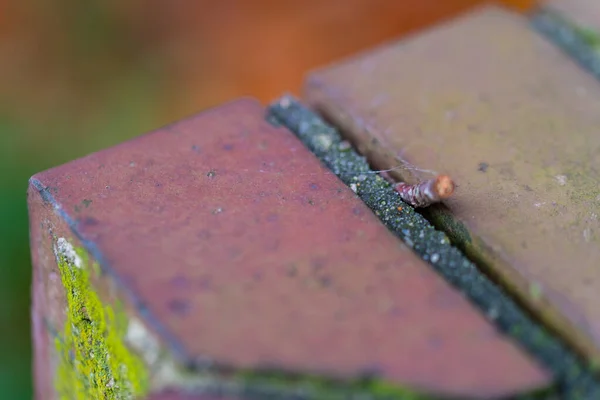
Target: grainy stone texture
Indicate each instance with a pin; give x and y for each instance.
(237, 248)
(514, 122)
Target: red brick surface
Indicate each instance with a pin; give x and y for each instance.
(514, 122)
(243, 249)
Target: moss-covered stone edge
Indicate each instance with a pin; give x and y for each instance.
(529, 295)
(165, 366)
(579, 42)
(322, 387)
(574, 378)
(94, 361)
(115, 372)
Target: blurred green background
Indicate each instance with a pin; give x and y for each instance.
(77, 76)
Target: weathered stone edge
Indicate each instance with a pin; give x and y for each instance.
(581, 43)
(96, 254)
(574, 379)
(210, 378)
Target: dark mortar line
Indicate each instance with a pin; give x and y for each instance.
(94, 251)
(573, 380)
(567, 36)
(486, 262)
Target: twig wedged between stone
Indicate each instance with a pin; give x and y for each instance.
(572, 379)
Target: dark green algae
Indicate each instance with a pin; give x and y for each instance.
(573, 378)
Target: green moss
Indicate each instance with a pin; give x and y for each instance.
(589, 36)
(594, 365)
(535, 291)
(94, 361)
(444, 221)
(323, 388)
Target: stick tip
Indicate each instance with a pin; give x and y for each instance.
(444, 186)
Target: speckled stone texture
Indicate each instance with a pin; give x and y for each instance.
(241, 252)
(490, 102)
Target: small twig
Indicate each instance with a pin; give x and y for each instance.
(426, 193)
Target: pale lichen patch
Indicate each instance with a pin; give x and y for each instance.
(561, 179)
(143, 341)
(63, 248)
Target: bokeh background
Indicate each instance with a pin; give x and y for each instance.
(77, 76)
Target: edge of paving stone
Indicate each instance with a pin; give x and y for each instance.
(582, 43)
(529, 295)
(574, 379)
(169, 367)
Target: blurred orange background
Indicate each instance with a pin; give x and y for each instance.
(77, 76)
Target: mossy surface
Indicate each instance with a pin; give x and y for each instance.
(319, 387)
(94, 362)
(573, 379)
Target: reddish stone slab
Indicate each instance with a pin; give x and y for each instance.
(515, 123)
(237, 246)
